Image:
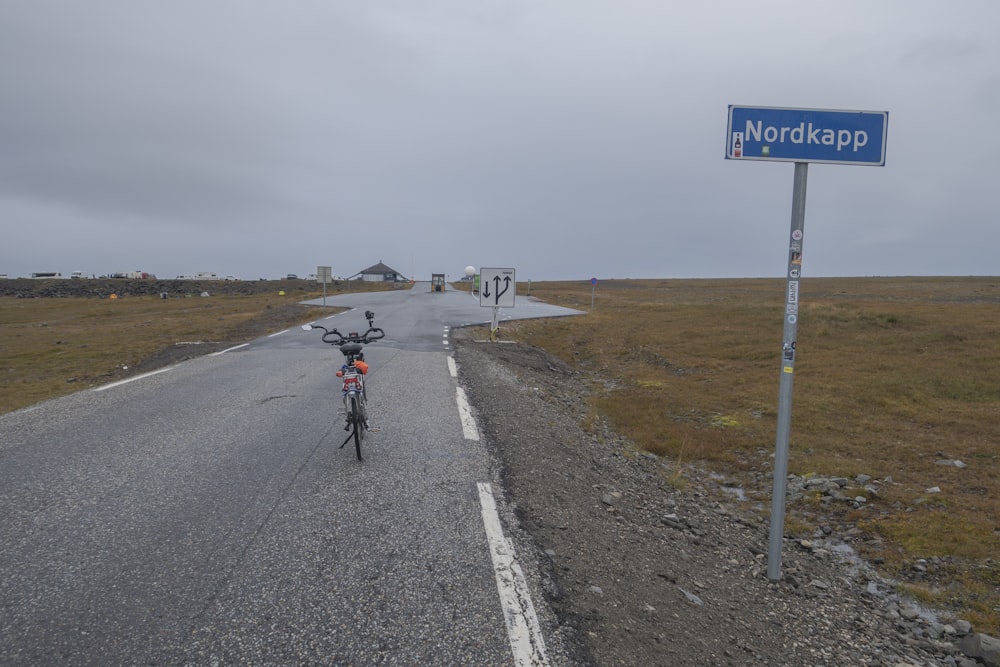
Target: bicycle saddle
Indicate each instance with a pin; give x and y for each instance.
(351, 348)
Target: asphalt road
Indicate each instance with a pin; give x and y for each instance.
(204, 514)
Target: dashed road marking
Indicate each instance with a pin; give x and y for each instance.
(523, 629)
(229, 349)
(469, 428)
(133, 379)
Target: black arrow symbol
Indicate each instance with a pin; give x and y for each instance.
(486, 289)
(497, 289)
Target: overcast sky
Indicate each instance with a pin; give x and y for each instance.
(564, 138)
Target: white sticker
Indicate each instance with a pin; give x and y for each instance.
(797, 235)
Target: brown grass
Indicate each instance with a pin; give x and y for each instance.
(51, 347)
(892, 376)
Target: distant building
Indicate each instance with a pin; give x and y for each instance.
(379, 273)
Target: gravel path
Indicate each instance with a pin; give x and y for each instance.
(646, 568)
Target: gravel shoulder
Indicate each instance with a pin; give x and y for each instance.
(648, 566)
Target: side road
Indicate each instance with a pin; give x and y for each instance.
(648, 568)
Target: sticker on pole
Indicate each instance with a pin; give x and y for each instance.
(497, 288)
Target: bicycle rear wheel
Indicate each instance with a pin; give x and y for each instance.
(357, 423)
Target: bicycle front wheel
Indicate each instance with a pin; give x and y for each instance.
(357, 423)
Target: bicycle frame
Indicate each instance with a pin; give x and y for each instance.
(352, 374)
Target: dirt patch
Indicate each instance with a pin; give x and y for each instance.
(650, 562)
(271, 319)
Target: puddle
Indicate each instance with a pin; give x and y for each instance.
(734, 491)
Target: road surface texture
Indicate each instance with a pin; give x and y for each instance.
(203, 514)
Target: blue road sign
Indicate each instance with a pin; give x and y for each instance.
(807, 135)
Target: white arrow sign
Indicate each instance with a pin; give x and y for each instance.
(497, 288)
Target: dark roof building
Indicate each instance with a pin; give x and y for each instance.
(379, 273)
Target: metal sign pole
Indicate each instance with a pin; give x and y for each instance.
(787, 371)
(495, 325)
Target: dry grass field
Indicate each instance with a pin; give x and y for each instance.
(893, 378)
(52, 347)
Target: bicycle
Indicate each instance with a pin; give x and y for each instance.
(354, 392)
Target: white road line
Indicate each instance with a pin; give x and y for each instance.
(277, 333)
(469, 427)
(523, 629)
(229, 349)
(452, 368)
(131, 379)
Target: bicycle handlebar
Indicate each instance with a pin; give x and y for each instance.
(334, 337)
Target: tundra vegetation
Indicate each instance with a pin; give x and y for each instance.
(53, 346)
(897, 379)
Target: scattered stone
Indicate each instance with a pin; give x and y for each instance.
(692, 598)
(596, 590)
(983, 648)
(611, 498)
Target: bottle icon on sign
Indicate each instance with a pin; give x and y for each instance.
(737, 144)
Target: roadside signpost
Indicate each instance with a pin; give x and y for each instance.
(593, 290)
(323, 275)
(496, 290)
(800, 136)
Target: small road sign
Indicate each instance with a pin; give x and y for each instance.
(807, 135)
(497, 288)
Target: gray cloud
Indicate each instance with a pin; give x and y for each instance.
(567, 139)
